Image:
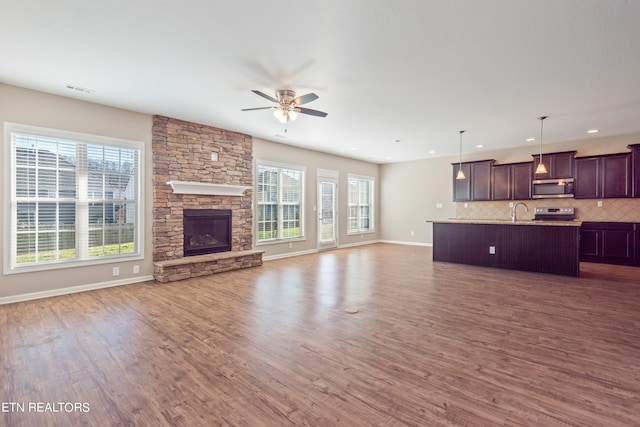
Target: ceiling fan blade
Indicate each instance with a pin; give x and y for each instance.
(305, 98)
(264, 95)
(257, 108)
(311, 112)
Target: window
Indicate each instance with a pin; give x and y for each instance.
(360, 215)
(279, 202)
(73, 197)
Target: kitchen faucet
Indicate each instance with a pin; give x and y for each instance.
(513, 212)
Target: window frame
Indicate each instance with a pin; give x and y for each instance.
(358, 205)
(82, 258)
(280, 204)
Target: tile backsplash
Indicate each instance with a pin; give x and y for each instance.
(612, 210)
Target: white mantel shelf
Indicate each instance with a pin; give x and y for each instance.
(206, 188)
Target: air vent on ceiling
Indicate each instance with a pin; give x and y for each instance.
(79, 89)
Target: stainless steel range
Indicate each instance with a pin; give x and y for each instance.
(554, 214)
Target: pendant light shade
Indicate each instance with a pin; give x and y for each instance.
(541, 169)
(460, 174)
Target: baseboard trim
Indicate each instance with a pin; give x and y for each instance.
(72, 290)
(399, 242)
(289, 255)
(344, 246)
(351, 245)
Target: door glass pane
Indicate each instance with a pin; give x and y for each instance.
(328, 212)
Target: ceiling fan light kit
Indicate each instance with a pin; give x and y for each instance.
(288, 106)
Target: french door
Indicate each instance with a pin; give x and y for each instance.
(327, 209)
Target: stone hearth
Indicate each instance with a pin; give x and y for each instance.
(182, 152)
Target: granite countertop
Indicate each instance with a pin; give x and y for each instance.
(574, 223)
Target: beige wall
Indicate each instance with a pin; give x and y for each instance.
(407, 193)
(411, 190)
(29, 107)
(314, 160)
(411, 193)
(18, 105)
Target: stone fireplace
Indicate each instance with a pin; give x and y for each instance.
(200, 168)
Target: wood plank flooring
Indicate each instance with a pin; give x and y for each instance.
(433, 344)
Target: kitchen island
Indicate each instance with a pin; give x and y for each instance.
(540, 246)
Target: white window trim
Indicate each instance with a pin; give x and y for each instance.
(303, 169)
(10, 216)
(372, 206)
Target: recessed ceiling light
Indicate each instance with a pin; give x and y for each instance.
(479, 146)
(353, 148)
(593, 131)
(432, 151)
(530, 139)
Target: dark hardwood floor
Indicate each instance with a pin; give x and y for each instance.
(432, 344)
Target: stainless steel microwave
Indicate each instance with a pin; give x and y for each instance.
(552, 188)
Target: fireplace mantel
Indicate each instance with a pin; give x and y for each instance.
(188, 187)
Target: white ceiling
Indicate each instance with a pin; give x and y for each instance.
(398, 78)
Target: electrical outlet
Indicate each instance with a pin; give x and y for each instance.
(290, 245)
(599, 203)
(492, 250)
(438, 205)
(510, 204)
(136, 269)
(466, 205)
(413, 233)
(116, 271)
(214, 157)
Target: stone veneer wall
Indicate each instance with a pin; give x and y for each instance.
(182, 152)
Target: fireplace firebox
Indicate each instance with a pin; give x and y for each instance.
(206, 231)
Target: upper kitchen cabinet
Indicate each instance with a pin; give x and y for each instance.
(635, 167)
(511, 181)
(559, 165)
(522, 173)
(601, 177)
(477, 182)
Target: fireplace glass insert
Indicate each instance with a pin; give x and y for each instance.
(206, 231)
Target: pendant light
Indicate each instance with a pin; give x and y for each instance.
(460, 174)
(541, 168)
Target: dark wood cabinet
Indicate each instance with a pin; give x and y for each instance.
(501, 182)
(606, 176)
(616, 176)
(635, 169)
(559, 165)
(462, 187)
(481, 180)
(539, 248)
(586, 183)
(511, 181)
(522, 174)
(464, 243)
(477, 184)
(595, 177)
(609, 242)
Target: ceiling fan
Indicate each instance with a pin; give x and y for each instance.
(288, 106)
